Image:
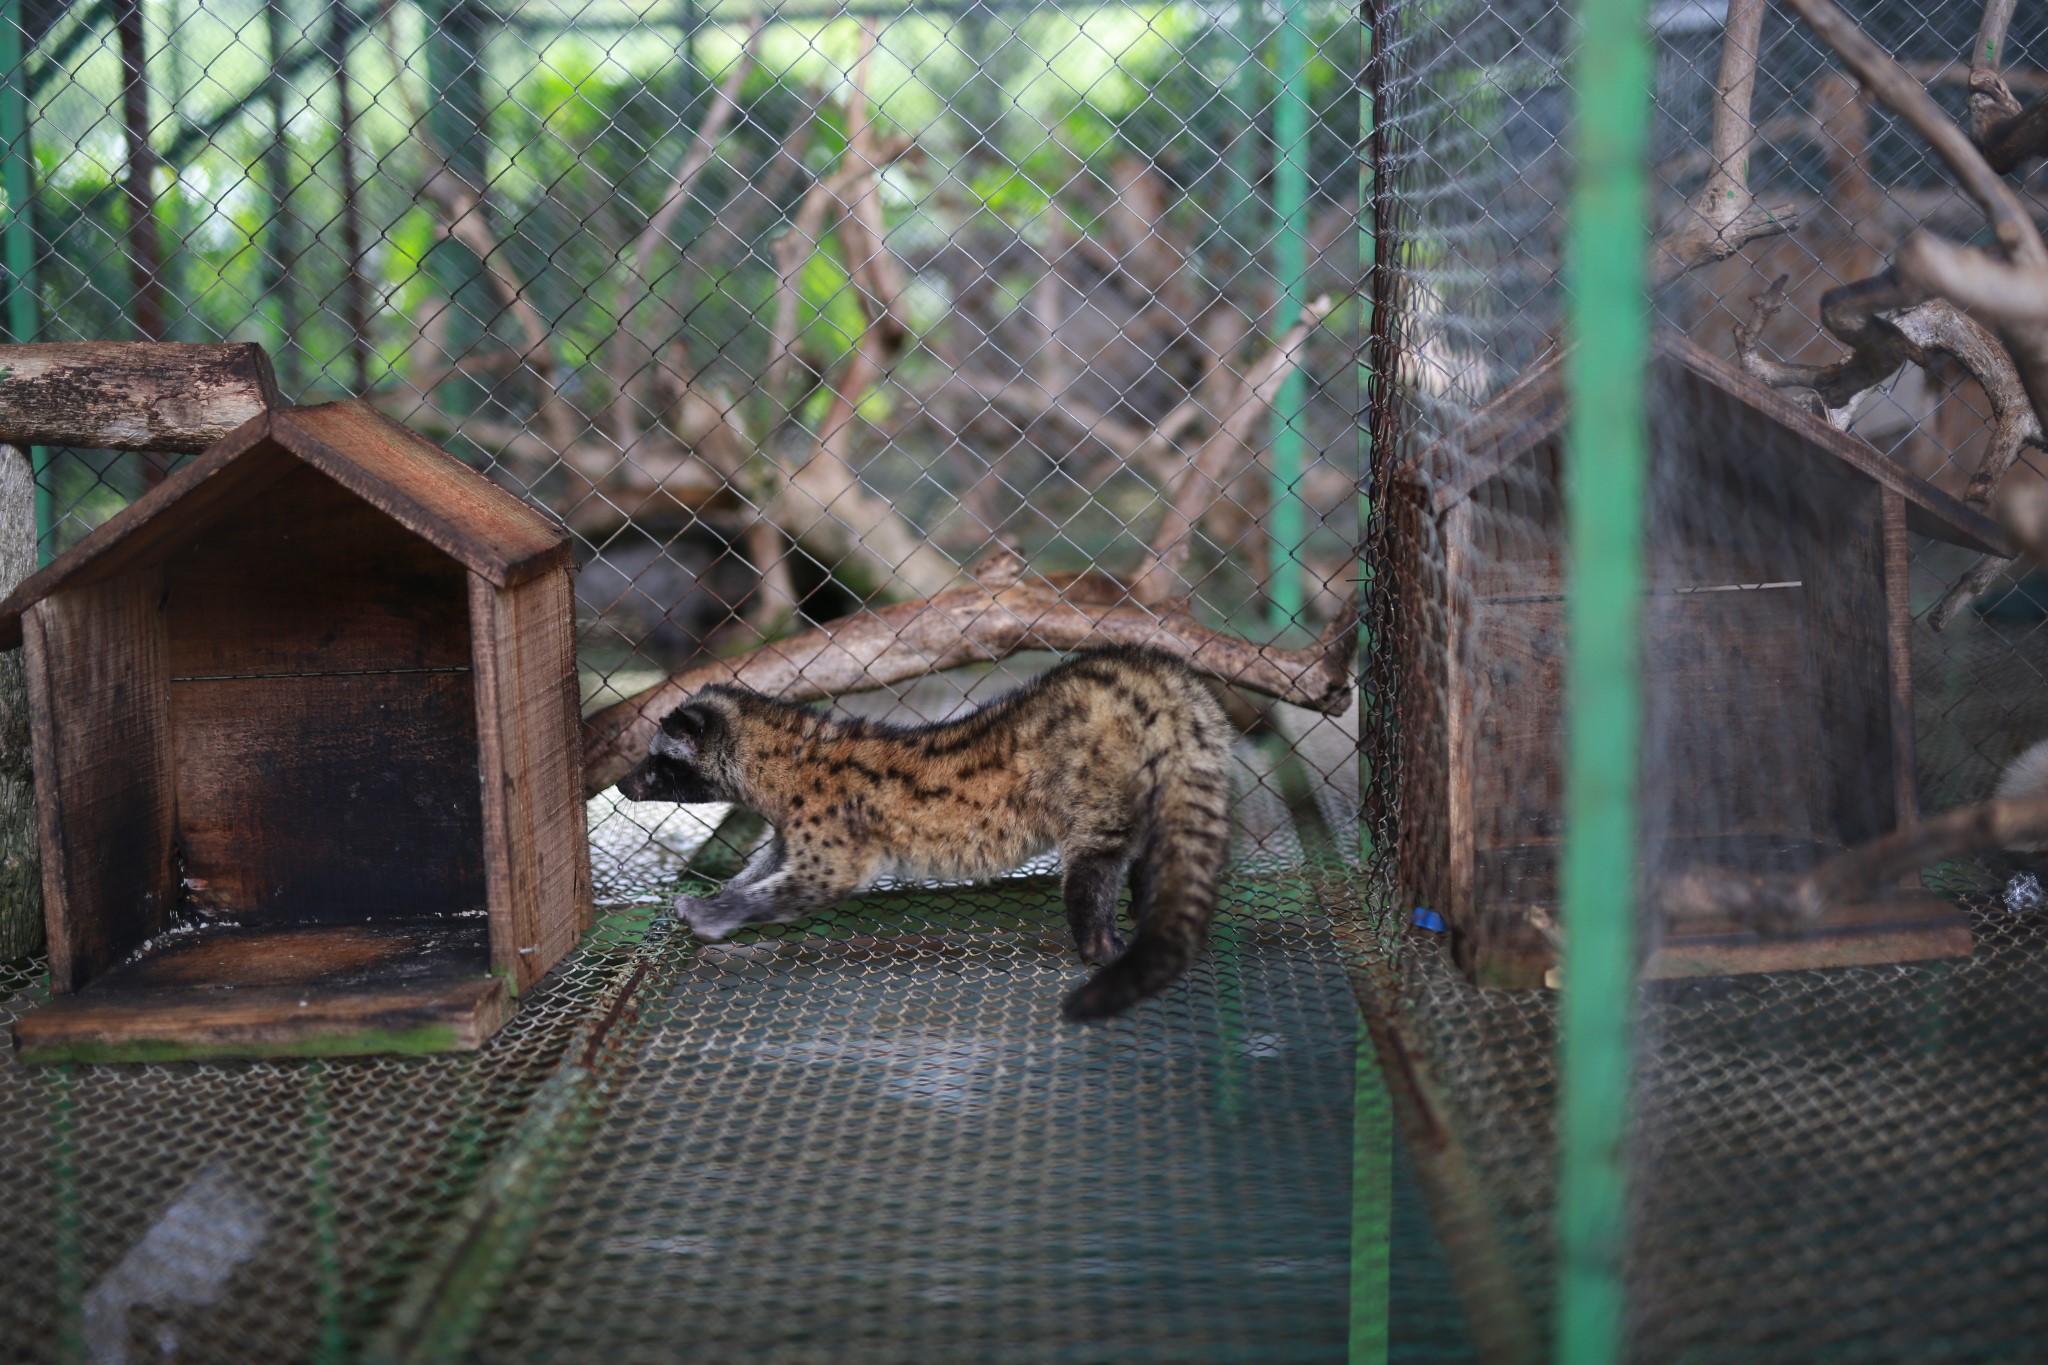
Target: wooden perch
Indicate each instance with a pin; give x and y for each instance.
(1723, 216)
(163, 397)
(1789, 906)
(998, 617)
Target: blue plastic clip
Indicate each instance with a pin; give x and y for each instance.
(1426, 918)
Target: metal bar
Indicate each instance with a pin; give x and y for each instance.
(1372, 1205)
(332, 1344)
(1368, 258)
(1285, 526)
(1604, 474)
(18, 236)
(1242, 156)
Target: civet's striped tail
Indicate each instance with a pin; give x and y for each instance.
(1183, 843)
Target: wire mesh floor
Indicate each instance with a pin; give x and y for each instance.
(1871, 1134)
(864, 1137)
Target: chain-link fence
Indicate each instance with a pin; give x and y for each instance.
(859, 342)
(886, 350)
(1826, 1154)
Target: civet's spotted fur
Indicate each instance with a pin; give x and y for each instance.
(1117, 758)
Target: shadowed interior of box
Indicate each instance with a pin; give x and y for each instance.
(319, 710)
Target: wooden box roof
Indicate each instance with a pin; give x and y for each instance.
(423, 488)
(1532, 411)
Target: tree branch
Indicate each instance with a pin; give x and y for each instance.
(990, 621)
(2012, 294)
(2005, 132)
(1206, 477)
(1907, 98)
(631, 349)
(1723, 216)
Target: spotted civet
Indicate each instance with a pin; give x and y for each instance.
(1118, 758)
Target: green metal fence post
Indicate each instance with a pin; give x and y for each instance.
(18, 236)
(1285, 525)
(1605, 457)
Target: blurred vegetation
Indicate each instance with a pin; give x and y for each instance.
(1020, 117)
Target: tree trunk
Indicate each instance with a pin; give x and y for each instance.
(21, 869)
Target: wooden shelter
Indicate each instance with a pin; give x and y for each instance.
(307, 755)
(1777, 668)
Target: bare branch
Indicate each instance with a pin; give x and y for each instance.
(1723, 217)
(1965, 590)
(459, 213)
(980, 624)
(2024, 514)
(1206, 477)
(1907, 98)
(1992, 102)
(2005, 132)
(631, 349)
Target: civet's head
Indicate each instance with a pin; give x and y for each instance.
(693, 756)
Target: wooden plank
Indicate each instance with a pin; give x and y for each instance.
(1898, 571)
(1531, 411)
(329, 798)
(169, 397)
(1945, 517)
(100, 732)
(537, 855)
(187, 503)
(1917, 928)
(1848, 661)
(1460, 696)
(427, 490)
(418, 985)
(1729, 715)
(318, 582)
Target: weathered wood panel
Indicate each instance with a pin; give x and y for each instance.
(167, 397)
(319, 582)
(421, 986)
(532, 754)
(101, 736)
(1898, 572)
(187, 504)
(329, 799)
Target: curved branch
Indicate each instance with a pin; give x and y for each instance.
(1906, 97)
(990, 621)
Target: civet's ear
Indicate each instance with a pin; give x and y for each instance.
(682, 730)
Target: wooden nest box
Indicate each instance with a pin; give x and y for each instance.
(1777, 668)
(304, 723)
